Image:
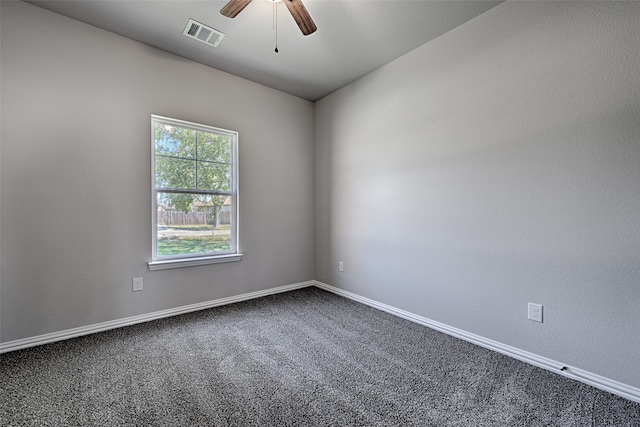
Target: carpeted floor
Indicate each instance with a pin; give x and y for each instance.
(302, 358)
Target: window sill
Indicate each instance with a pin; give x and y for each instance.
(189, 262)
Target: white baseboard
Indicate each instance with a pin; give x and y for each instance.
(595, 380)
(598, 381)
(99, 327)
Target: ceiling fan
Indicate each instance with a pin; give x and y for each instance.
(297, 9)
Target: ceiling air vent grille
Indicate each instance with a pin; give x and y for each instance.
(202, 33)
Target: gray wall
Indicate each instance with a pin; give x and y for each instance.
(497, 165)
(75, 174)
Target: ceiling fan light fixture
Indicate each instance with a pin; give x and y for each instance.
(295, 7)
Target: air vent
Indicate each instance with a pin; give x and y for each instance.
(202, 33)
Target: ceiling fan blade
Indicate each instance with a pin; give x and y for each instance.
(234, 7)
(301, 16)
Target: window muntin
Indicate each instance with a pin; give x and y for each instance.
(194, 191)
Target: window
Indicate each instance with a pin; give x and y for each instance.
(195, 192)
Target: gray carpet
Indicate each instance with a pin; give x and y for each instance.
(302, 358)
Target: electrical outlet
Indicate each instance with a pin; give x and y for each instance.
(137, 284)
(340, 266)
(534, 312)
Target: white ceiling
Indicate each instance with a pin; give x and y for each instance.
(354, 37)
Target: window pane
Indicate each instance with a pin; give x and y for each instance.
(214, 176)
(172, 172)
(193, 224)
(214, 148)
(174, 141)
(192, 158)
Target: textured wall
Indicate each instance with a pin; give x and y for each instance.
(497, 165)
(76, 197)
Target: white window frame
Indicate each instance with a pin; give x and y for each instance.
(175, 261)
